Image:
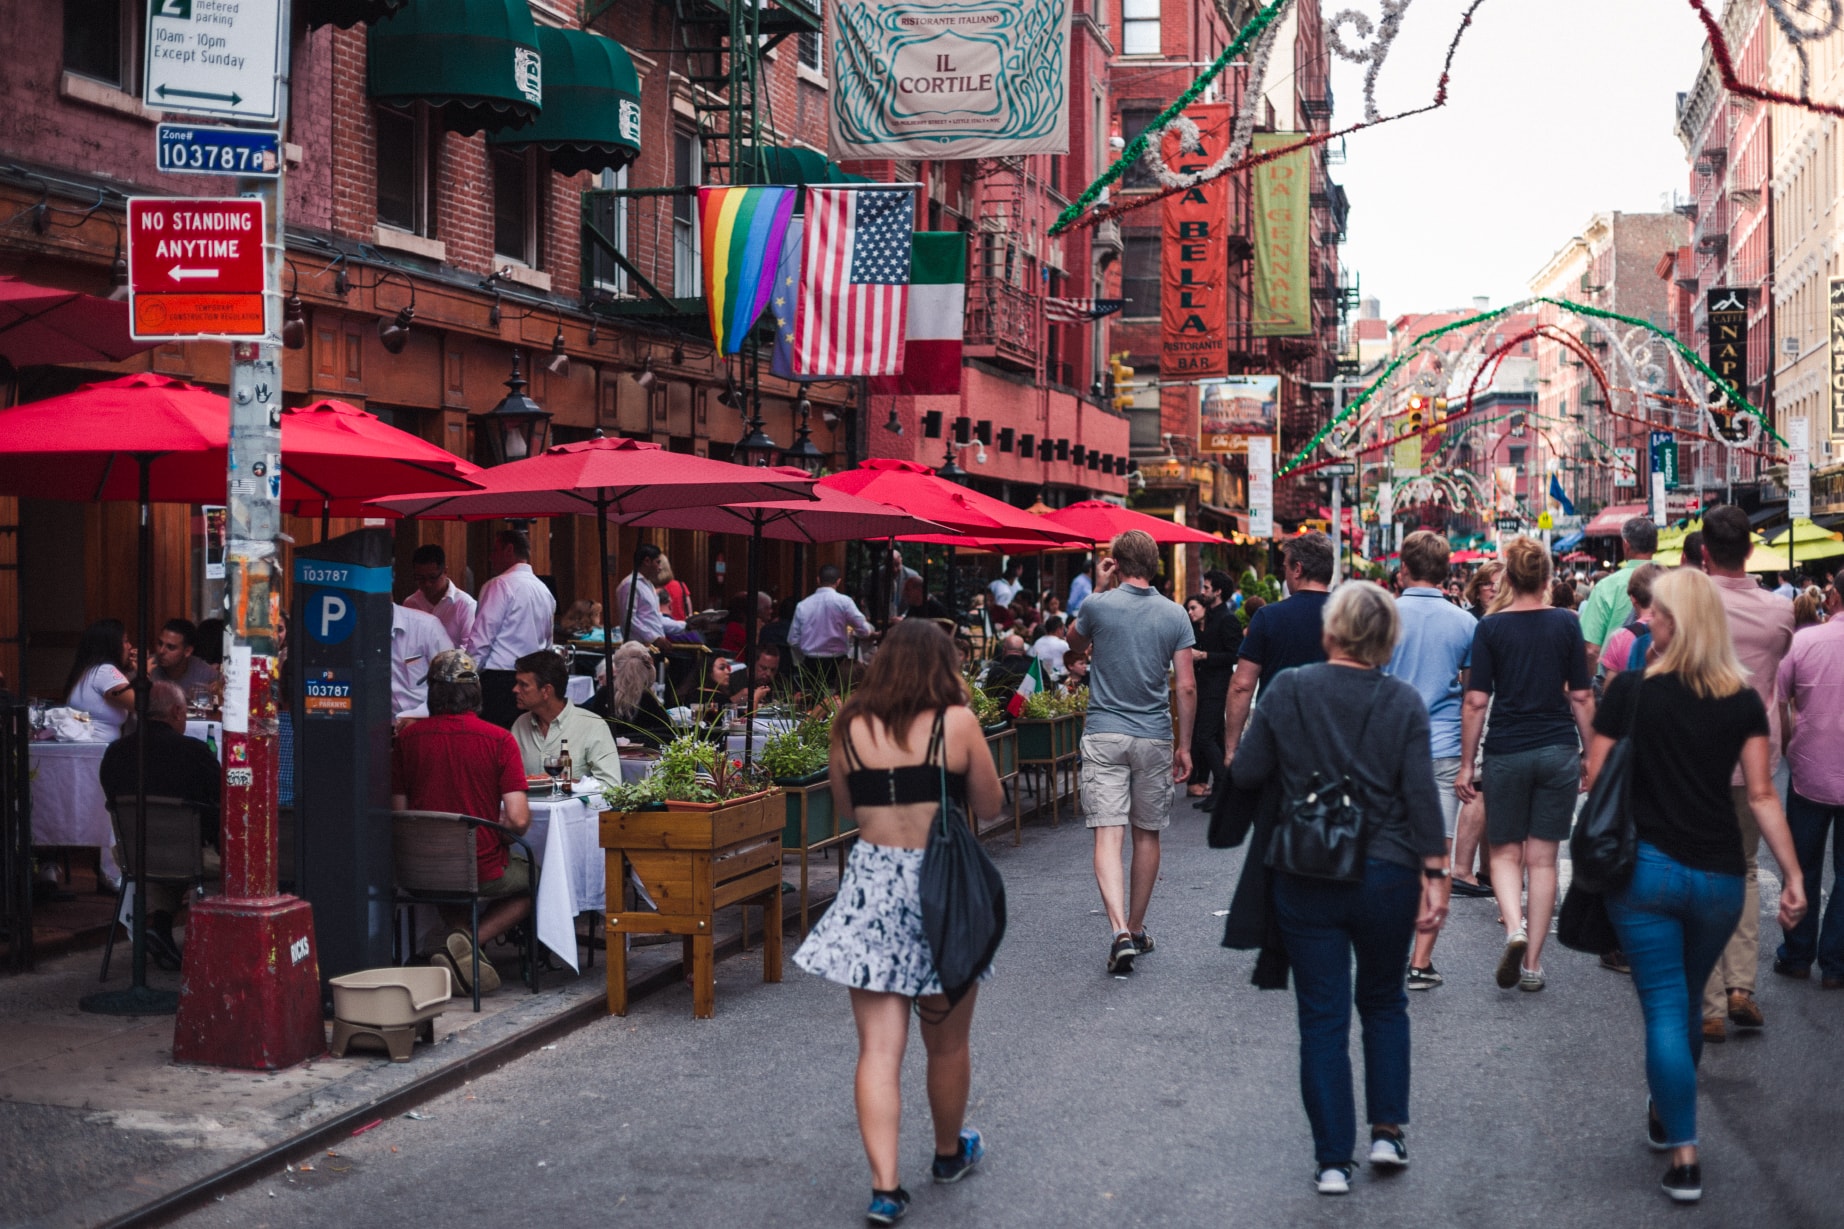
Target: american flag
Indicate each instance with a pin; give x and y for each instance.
(1079, 311)
(854, 282)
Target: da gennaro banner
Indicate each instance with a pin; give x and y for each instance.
(948, 78)
(1283, 207)
(1836, 356)
(1728, 312)
(1194, 264)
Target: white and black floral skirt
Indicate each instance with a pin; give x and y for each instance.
(871, 936)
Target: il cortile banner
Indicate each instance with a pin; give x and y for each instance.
(949, 78)
(1283, 208)
(1193, 297)
(1728, 313)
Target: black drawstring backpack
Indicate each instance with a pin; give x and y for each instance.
(963, 897)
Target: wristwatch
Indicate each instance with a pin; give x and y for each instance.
(1436, 872)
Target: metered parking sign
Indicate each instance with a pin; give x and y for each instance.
(331, 616)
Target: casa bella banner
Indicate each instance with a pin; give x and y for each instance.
(948, 78)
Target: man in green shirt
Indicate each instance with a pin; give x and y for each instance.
(548, 720)
(1607, 605)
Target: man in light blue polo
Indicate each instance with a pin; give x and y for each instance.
(1432, 654)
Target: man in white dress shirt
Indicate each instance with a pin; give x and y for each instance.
(825, 624)
(1005, 587)
(437, 595)
(515, 617)
(648, 625)
(416, 637)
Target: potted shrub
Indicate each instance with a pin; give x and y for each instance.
(697, 834)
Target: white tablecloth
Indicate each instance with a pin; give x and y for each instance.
(581, 689)
(564, 836)
(68, 807)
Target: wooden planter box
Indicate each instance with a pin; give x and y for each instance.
(1049, 747)
(691, 860)
(1002, 741)
(813, 823)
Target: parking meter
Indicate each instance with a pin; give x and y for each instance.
(339, 649)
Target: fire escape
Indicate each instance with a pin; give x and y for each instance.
(1002, 313)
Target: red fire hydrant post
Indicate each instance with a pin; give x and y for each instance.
(250, 995)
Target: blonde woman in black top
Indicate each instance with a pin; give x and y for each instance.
(1691, 715)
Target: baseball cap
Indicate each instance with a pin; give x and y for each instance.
(453, 666)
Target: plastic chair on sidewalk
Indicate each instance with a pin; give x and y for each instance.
(436, 863)
(175, 850)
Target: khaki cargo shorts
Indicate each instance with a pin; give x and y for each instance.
(1127, 779)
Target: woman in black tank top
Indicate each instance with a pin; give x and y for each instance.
(904, 734)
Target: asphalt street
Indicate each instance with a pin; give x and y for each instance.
(1167, 1098)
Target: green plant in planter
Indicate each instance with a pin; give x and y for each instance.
(989, 711)
(799, 752)
(689, 770)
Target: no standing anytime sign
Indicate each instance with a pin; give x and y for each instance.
(195, 268)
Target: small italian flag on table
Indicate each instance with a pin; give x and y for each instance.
(1028, 686)
(937, 317)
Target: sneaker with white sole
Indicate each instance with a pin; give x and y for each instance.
(1530, 980)
(1388, 1151)
(1423, 979)
(1511, 959)
(1120, 956)
(1333, 1179)
(1684, 1183)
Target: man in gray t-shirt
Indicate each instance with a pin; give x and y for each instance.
(1130, 759)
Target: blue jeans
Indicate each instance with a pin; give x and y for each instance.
(1811, 822)
(1673, 923)
(1321, 923)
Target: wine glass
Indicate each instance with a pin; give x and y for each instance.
(553, 768)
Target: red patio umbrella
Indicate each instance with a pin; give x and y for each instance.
(85, 446)
(920, 491)
(40, 324)
(606, 479)
(1097, 521)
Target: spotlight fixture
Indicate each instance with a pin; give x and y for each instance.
(118, 273)
(595, 334)
(1078, 454)
(294, 323)
(963, 430)
(729, 398)
(395, 334)
(982, 430)
(644, 378)
(1062, 450)
(1027, 444)
(979, 458)
(931, 424)
(559, 362)
(341, 283)
(493, 311)
(894, 425)
(1006, 436)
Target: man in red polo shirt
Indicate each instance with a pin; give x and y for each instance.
(454, 761)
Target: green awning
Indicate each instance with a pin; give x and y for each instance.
(476, 61)
(591, 119)
(790, 164)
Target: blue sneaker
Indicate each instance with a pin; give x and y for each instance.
(972, 1152)
(887, 1207)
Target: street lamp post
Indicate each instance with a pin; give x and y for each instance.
(517, 427)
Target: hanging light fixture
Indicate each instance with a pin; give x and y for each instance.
(893, 425)
(951, 470)
(755, 448)
(493, 316)
(395, 334)
(294, 323)
(595, 333)
(559, 363)
(804, 453)
(645, 377)
(118, 273)
(517, 427)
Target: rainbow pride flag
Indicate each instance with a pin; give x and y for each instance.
(742, 230)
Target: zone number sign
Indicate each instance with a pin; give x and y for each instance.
(214, 57)
(196, 268)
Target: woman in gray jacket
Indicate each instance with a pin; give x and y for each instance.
(1345, 718)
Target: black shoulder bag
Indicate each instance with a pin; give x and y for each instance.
(1321, 836)
(963, 897)
(1605, 843)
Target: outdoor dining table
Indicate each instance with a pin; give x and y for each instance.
(564, 836)
(68, 807)
(581, 689)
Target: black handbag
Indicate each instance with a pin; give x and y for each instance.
(963, 896)
(1321, 836)
(1583, 925)
(1605, 843)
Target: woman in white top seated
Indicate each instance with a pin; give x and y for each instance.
(98, 683)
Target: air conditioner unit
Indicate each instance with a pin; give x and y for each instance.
(1789, 346)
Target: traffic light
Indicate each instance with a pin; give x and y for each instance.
(1418, 406)
(1122, 375)
(1440, 412)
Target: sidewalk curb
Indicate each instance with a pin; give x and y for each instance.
(481, 1062)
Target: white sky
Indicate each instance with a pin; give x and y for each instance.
(1558, 109)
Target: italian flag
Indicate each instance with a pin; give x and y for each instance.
(1028, 686)
(937, 316)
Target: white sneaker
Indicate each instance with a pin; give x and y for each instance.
(1529, 979)
(1511, 959)
(1333, 1180)
(1388, 1152)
